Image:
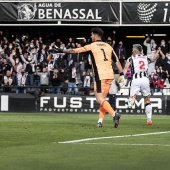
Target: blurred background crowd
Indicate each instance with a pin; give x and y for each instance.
(29, 61)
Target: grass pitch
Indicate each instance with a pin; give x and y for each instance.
(36, 142)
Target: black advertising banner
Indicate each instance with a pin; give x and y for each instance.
(59, 11)
(52, 103)
(13, 102)
(87, 104)
(146, 13)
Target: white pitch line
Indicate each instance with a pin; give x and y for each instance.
(126, 144)
(113, 137)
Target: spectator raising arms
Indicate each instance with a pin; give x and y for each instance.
(150, 45)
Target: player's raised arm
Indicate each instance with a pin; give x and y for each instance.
(74, 50)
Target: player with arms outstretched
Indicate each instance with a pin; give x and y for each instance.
(102, 55)
(140, 81)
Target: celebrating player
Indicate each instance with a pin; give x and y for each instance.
(140, 81)
(102, 55)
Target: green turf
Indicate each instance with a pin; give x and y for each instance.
(30, 142)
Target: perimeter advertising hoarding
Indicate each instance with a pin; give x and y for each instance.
(59, 11)
(52, 103)
(146, 13)
(87, 104)
(12, 102)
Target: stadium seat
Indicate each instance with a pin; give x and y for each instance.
(166, 82)
(165, 91)
(124, 92)
(157, 94)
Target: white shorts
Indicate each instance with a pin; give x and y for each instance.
(140, 85)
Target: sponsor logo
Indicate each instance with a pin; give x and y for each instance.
(139, 106)
(26, 11)
(54, 11)
(89, 105)
(146, 11)
(122, 103)
(74, 102)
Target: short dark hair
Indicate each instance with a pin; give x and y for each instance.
(97, 31)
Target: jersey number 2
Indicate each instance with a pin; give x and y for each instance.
(142, 65)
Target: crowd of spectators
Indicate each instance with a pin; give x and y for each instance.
(31, 62)
(159, 71)
(28, 63)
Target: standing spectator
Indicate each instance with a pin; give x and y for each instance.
(56, 84)
(22, 79)
(152, 83)
(72, 79)
(9, 49)
(121, 53)
(50, 69)
(79, 61)
(43, 56)
(164, 74)
(83, 76)
(30, 69)
(34, 55)
(150, 45)
(36, 77)
(84, 42)
(64, 80)
(70, 57)
(44, 79)
(58, 42)
(6, 66)
(88, 80)
(62, 62)
(166, 64)
(29, 62)
(109, 41)
(16, 67)
(159, 83)
(164, 47)
(7, 82)
(159, 61)
(151, 67)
